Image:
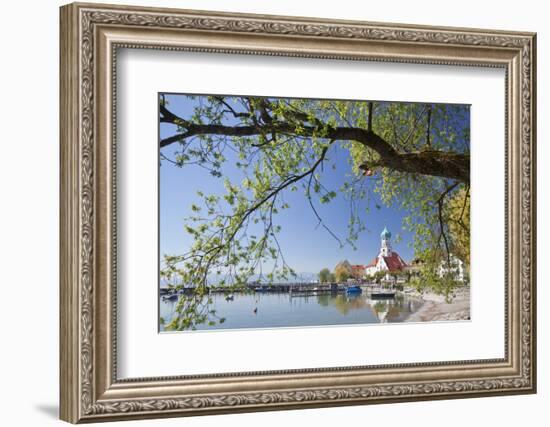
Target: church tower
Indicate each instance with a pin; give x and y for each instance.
(385, 246)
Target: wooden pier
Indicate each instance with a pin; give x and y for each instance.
(292, 288)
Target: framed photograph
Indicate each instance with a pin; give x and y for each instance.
(266, 212)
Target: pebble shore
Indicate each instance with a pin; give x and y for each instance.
(435, 308)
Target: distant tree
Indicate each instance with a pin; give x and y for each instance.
(432, 281)
(378, 276)
(407, 274)
(341, 275)
(324, 275)
(343, 271)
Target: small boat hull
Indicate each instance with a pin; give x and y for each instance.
(353, 290)
(383, 295)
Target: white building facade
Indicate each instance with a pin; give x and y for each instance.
(455, 268)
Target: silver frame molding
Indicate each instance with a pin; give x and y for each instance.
(90, 37)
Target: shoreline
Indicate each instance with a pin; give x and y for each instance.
(435, 308)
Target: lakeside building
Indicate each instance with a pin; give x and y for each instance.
(387, 259)
(455, 268)
(353, 271)
(358, 271)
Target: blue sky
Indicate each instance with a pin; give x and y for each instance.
(306, 247)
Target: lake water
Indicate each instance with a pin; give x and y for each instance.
(271, 310)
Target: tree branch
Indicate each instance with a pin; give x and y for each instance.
(428, 162)
(440, 218)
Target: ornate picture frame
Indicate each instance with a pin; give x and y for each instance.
(90, 37)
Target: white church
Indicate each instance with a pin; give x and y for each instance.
(387, 259)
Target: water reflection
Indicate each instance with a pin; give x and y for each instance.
(395, 309)
(268, 310)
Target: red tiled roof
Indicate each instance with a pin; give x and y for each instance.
(373, 262)
(358, 267)
(394, 262)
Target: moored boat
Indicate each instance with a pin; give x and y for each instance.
(353, 290)
(382, 295)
